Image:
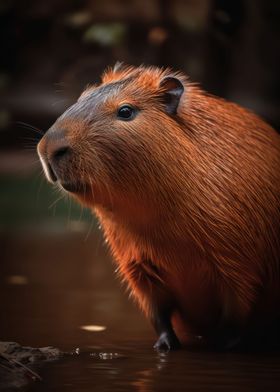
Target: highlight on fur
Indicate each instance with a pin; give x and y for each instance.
(188, 195)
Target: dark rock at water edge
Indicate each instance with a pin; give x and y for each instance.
(17, 364)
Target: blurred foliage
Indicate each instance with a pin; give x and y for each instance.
(105, 34)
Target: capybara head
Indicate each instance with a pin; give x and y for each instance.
(117, 136)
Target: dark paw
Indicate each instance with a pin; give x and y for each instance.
(167, 342)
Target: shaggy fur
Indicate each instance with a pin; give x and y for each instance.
(189, 202)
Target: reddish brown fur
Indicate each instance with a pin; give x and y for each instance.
(190, 204)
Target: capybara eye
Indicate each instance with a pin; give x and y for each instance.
(126, 112)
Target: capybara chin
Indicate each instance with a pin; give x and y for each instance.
(187, 189)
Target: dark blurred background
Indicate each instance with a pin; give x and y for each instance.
(55, 274)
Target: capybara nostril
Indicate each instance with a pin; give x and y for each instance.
(60, 153)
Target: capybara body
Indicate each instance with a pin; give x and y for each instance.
(187, 189)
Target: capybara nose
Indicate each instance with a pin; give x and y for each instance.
(54, 153)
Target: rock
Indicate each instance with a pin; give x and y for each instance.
(17, 362)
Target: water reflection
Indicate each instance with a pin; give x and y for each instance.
(135, 367)
(17, 280)
(93, 328)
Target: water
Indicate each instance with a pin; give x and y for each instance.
(141, 369)
(61, 290)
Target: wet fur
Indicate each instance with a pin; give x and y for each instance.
(189, 203)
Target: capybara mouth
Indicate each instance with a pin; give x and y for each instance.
(75, 187)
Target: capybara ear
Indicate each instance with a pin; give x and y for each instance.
(172, 89)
